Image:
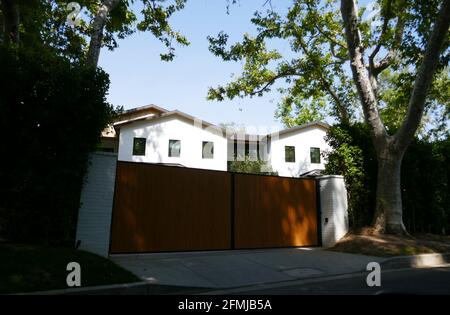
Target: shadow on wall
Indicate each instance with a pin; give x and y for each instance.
(299, 168)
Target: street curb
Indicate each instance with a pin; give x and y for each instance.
(133, 288)
(416, 261)
(99, 289)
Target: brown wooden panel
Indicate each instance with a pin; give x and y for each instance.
(161, 208)
(274, 212)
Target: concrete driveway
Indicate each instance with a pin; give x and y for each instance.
(230, 269)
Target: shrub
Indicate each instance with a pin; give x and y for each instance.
(52, 112)
(353, 157)
(425, 178)
(249, 166)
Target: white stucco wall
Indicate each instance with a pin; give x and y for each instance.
(159, 131)
(303, 140)
(334, 209)
(94, 216)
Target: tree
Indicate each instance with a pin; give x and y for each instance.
(57, 110)
(391, 148)
(397, 86)
(107, 21)
(10, 20)
(313, 70)
(413, 36)
(116, 17)
(424, 183)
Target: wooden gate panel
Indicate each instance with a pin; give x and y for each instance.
(274, 212)
(161, 208)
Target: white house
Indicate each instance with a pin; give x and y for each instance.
(171, 137)
(298, 150)
(151, 134)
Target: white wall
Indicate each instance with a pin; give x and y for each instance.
(303, 140)
(334, 209)
(94, 216)
(159, 131)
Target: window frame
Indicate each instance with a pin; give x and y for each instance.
(203, 150)
(135, 140)
(311, 155)
(286, 156)
(169, 149)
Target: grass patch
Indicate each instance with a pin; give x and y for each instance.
(26, 268)
(367, 243)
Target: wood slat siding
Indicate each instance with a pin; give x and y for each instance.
(274, 212)
(161, 208)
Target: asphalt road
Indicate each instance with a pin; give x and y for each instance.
(410, 281)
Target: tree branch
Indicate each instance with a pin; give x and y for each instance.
(387, 60)
(424, 78)
(386, 20)
(366, 94)
(343, 113)
(376, 68)
(272, 81)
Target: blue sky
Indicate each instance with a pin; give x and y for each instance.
(139, 77)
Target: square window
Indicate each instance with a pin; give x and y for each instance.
(174, 148)
(208, 150)
(139, 146)
(289, 154)
(315, 155)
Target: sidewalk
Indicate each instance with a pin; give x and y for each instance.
(231, 269)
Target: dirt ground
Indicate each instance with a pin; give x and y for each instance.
(366, 242)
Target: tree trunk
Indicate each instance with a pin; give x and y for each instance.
(11, 21)
(388, 216)
(98, 26)
(390, 149)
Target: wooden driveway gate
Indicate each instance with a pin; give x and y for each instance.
(161, 208)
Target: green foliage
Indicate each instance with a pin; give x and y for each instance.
(250, 166)
(394, 93)
(353, 157)
(156, 20)
(52, 112)
(296, 112)
(426, 186)
(425, 178)
(45, 23)
(314, 71)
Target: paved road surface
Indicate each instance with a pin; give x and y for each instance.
(410, 281)
(231, 269)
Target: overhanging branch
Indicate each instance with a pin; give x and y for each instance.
(424, 78)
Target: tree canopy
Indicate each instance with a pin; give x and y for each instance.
(343, 62)
(101, 23)
(315, 72)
